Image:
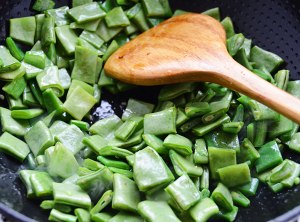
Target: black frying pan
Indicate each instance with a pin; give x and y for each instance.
(272, 24)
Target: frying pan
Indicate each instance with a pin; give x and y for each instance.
(272, 24)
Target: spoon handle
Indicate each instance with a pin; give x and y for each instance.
(244, 81)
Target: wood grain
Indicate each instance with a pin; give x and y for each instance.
(191, 47)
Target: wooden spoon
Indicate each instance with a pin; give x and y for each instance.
(188, 48)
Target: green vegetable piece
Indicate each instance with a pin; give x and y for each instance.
(10, 125)
(114, 151)
(126, 173)
(96, 183)
(294, 143)
(282, 79)
(79, 103)
(43, 5)
(116, 17)
(36, 58)
(285, 172)
(234, 43)
(48, 33)
(39, 18)
(101, 217)
(204, 129)
(137, 16)
(76, 3)
(262, 112)
(76, 83)
(67, 38)
(155, 142)
(173, 91)
(92, 38)
(250, 188)
(213, 12)
(47, 204)
(183, 192)
(106, 126)
(264, 74)
(179, 143)
(270, 156)
(154, 211)
(31, 71)
(221, 195)
(218, 108)
(60, 161)
(247, 152)
(166, 118)
(113, 163)
(26, 113)
(229, 216)
(92, 164)
(200, 154)
(39, 138)
(126, 194)
(240, 199)
(50, 79)
(110, 50)
(52, 102)
(8, 62)
(71, 138)
(219, 158)
(153, 8)
(204, 209)
(85, 66)
(233, 127)
(184, 165)
(15, 88)
(234, 175)
(219, 138)
(228, 26)
(128, 128)
(84, 126)
(56, 215)
(106, 33)
(11, 75)
(103, 202)
(264, 58)
(193, 109)
(28, 98)
(15, 103)
(126, 217)
(284, 125)
(152, 175)
(95, 142)
(51, 53)
(204, 182)
(82, 215)
(25, 177)
(13, 146)
(14, 49)
(60, 15)
(41, 184)
(87, 12)
(136, 108)
(23, 29)
(260, 133)
(90, 26)
(71, 194)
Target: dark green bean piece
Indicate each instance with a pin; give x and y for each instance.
(264, 58)
(221, 195)
(240, 199)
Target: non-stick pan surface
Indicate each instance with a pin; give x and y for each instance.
(272, 24)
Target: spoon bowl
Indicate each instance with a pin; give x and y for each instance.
(188, 48)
